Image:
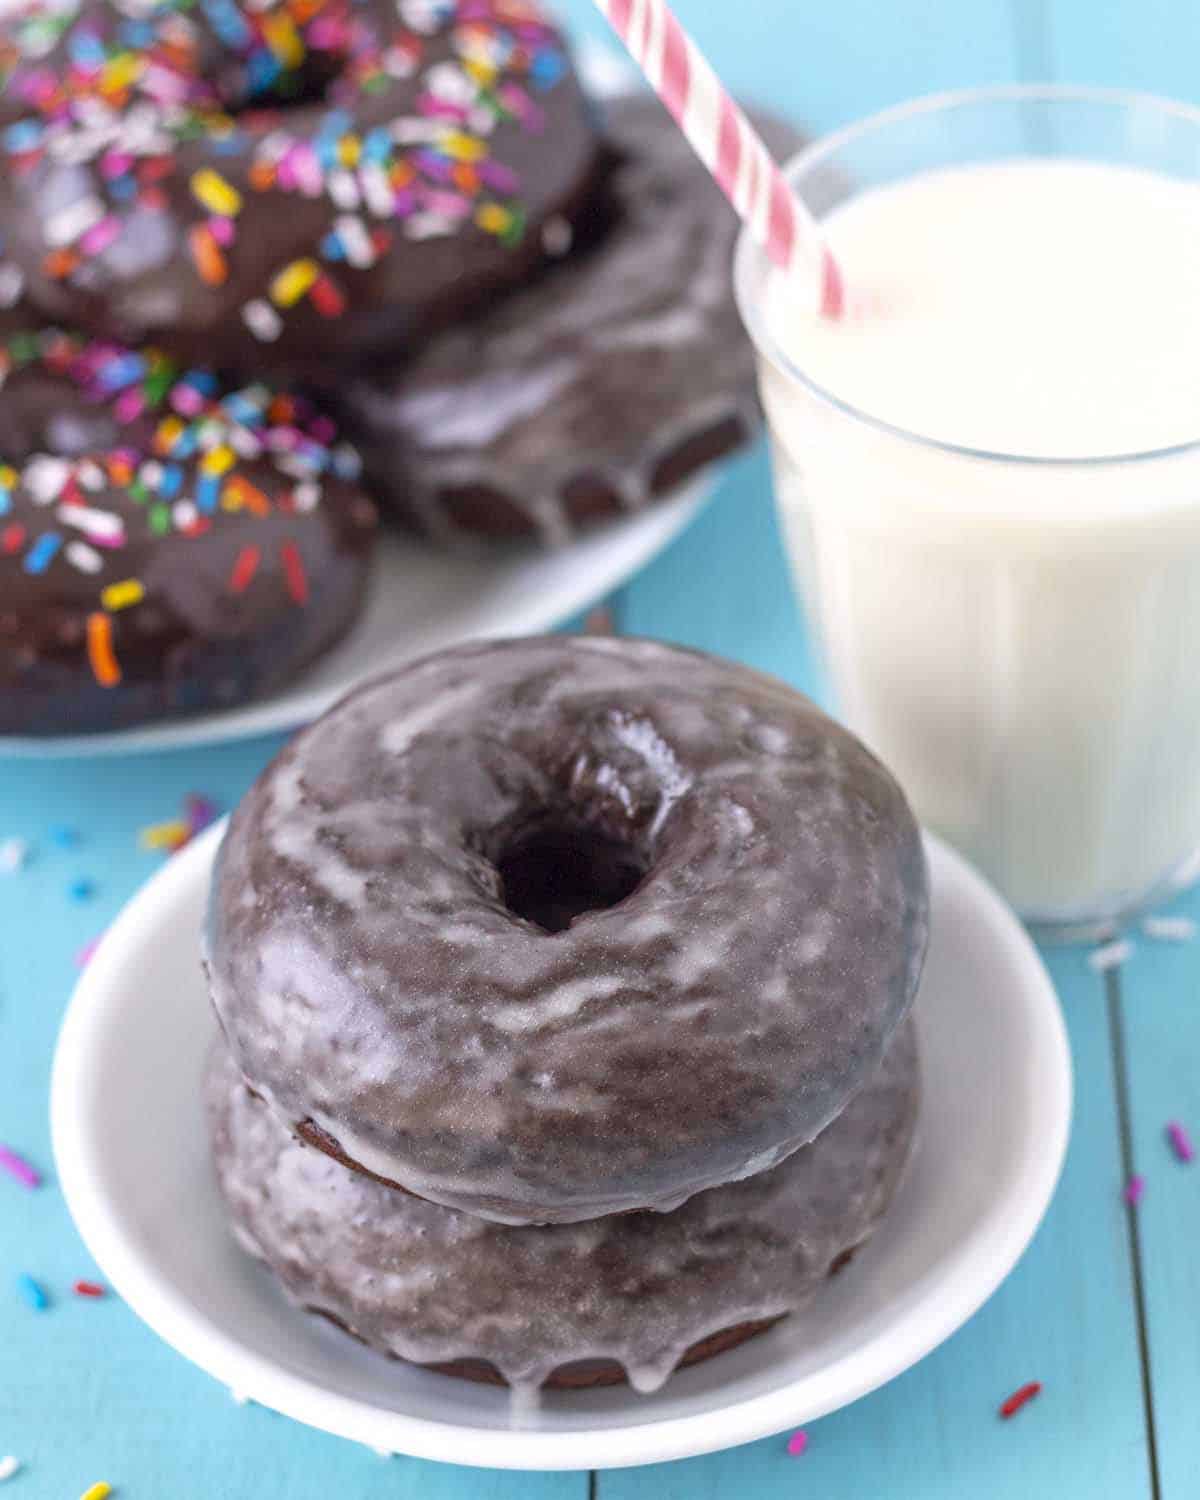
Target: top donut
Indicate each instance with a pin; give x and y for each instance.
(289, 180)
(544, 930)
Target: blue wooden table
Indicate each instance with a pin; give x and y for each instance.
(1103, 1308)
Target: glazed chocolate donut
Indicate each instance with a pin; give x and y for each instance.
(594, 390)
(167, 544)
(293, 179)
(633, 1295)
(555, 928)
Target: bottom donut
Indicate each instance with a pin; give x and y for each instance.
(629, 1297)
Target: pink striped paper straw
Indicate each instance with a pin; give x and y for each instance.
(726, 142)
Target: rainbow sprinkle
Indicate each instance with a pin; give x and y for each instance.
(217, 195)
(466, 67)
(8, 1467)
(14, 855)
(31, 1293)
(244, 569)
(105, 667)
(16, 1166)
(168, 837)
(293, 572)
(183, 467)
(117, 596)
(201, 812)
(290, 284)
(1181, 1142)
(1020, 1398)
(1169, 929)
(1110, 956)
(100, 1491)
(83, 956)
(165, 837)
(797, 1444)
(1135, 1190)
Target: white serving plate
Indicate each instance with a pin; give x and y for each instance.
(420, 599)
(130, 1146)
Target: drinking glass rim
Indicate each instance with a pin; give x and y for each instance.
(748, 258)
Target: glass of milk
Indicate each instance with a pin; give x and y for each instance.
(989, 475)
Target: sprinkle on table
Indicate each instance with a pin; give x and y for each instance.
(599, 621)
(201, 812)
(1181, 1142)
(81, 889)
(16, 1166)
(1020, 1398)
(797, 1443)
(99, 1491)
(31, 1293)
(1135, 1190)
(89, 1289)
(171, 835)
(166, 837)
(1169, 929)
(14, 855)
(83, 956)
(8, 1467)
(63, 837)
(1110, 955)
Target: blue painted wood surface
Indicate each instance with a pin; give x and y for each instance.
(826, 64)
(1103, 1309)
(1156, 1000)
(1150, 45)
(86, 1392)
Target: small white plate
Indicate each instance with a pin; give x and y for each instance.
(129, 1141)
(420, 599)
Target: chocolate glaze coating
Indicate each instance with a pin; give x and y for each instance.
(555, 928)
(135, 584)
(408, 157)
(589, 393)
(566, 1303)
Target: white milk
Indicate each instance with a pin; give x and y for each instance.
(1019, 640)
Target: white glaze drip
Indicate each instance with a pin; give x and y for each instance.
(372, 979)
(432, 1285)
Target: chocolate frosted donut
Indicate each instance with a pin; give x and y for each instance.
(554, 928)
(284, 180)
(594, 390)
(632, 1295)
(167, 544)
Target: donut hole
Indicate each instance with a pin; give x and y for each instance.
(551, 875)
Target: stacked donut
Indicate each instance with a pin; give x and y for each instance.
(563, 986)
(406, 207)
